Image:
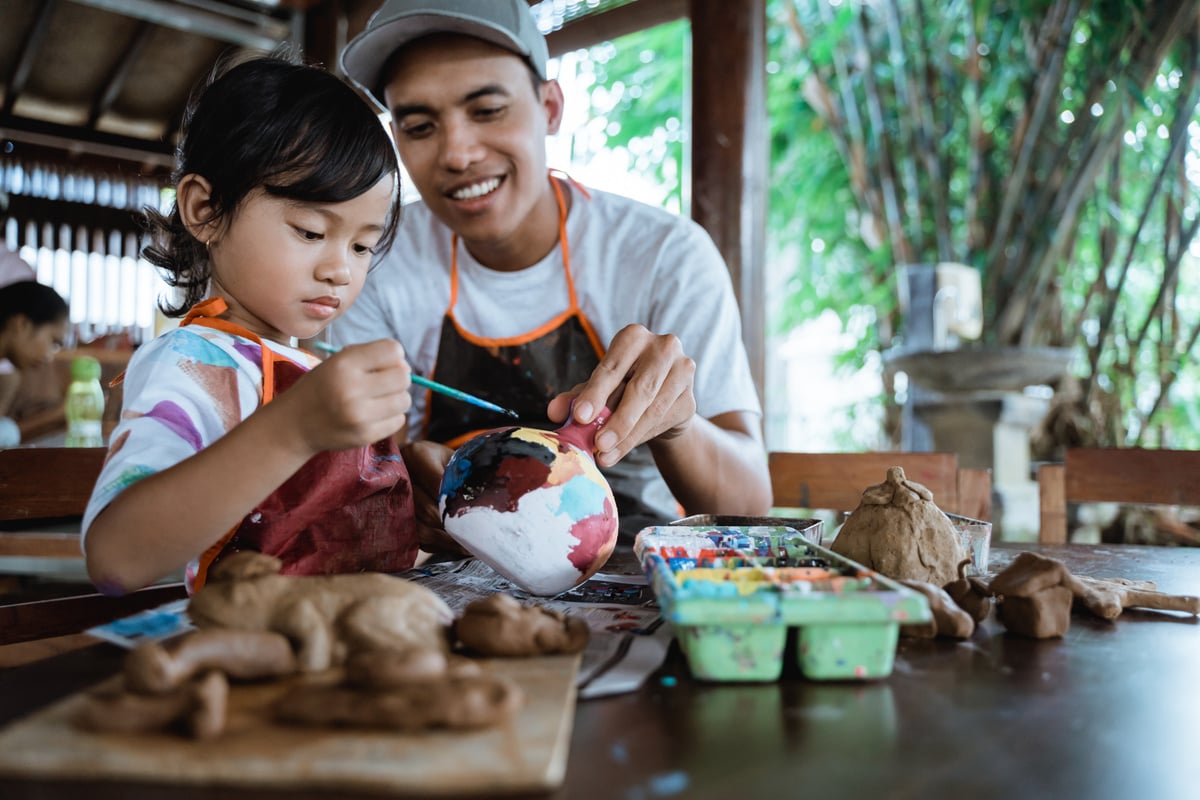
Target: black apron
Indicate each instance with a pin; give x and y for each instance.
(522, 373)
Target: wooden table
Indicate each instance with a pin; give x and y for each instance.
(1110, 711)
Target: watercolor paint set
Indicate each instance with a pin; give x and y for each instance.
(731, 593)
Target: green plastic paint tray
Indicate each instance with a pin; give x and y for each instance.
(731, 592)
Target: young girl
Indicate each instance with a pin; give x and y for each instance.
(231, 438)
(33, 324)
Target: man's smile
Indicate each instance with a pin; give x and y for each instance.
(476, 190)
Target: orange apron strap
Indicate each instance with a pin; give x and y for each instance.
(563, 176)
(564, 244)
(205, 314)
(566, 249)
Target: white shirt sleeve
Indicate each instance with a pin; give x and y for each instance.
(182, 391)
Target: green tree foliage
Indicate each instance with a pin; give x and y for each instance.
(1046, 143)
(639, 93)
(1054, 145)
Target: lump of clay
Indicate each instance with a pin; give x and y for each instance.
(464, 702)
(1035, 596)
(899, 531)
(949, 621)
(500, 626)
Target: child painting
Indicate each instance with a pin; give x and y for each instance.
(231, 437)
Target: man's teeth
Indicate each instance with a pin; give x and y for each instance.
(477, 190)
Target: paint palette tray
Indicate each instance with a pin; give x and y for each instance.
(731, 594)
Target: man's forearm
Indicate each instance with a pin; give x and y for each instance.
(717, 467)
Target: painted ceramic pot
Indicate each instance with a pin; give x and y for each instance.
(532, 504)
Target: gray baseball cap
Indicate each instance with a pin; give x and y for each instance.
(505, 23)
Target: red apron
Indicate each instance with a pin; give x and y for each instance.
(524, 373)
(343, 511)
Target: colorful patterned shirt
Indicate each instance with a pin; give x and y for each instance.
(182, 392)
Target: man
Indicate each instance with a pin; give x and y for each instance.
(523, 288)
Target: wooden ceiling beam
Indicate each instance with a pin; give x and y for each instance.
(221, 21)
(29, 53)
(608, 25)
(120, 74)
(73, 140)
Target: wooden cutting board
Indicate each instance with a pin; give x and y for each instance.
(527, 754)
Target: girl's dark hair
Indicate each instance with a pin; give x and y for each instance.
(35, 301)
(295, 130)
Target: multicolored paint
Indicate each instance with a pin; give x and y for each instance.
(732, 593)
(531, 504)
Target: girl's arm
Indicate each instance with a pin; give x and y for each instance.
(158, 524)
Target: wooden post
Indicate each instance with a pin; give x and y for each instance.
(729, 151)
(1052, 504)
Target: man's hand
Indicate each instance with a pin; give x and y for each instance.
(647, 379)
(426, 462)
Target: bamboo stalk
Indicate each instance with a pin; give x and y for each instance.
(906, 137)
(1046, 89)
(901, 246)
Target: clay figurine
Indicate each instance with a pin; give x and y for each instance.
(899, 531)
(500, 626)
(325, 616)
(970, 593)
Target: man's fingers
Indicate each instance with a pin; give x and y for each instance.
(671, 407)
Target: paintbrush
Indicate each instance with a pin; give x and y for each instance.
(440, 388)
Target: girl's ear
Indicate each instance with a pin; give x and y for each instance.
(193, 198)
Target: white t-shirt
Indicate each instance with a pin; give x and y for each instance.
(631, 263)
(182, 391)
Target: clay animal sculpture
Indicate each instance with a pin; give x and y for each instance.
(500, 626)
(324, 616)
(532, 504)
(899, 531)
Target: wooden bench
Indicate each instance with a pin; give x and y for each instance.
(40, 486)
(1114, 475)
(837, 480)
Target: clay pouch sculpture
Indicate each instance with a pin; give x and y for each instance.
(532, 504)
(899, 531)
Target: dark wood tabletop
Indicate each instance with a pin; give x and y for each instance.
(1108, 711)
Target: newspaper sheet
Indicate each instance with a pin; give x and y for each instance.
(628, 638)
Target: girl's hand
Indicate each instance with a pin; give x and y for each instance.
(353, 398)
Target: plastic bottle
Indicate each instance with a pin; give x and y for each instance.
(85, 404)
